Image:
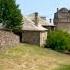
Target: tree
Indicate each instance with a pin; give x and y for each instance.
(10, 15)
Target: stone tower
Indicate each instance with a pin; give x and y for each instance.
(62, 19)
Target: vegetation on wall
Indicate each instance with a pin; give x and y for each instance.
(10, 14)
(58, 40)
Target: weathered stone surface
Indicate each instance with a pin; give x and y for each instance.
(34, 37)
(62, 19)
(8, 38)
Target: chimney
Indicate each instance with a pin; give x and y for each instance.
(50, 20)
(36, 18)
(57, 9)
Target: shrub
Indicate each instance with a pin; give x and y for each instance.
(58, 40)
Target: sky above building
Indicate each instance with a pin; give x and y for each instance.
(44, 7)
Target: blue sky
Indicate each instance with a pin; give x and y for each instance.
(44, 7)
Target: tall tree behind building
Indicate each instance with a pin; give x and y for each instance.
(10, 15)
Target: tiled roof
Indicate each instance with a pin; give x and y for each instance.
(30, 25)
(41, 21)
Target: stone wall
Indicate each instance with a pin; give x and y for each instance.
(31, 37)
(63, 26)
(43, 38)
(34, 37)
(8, 38)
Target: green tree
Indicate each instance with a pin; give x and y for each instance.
(10, 15)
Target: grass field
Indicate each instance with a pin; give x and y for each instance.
(31, 57)
(63, 67)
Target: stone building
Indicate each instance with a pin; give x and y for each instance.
(62, 19)
(33, 32)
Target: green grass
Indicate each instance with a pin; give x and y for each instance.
(32, 57)
(63, 67)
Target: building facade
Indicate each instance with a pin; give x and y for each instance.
(62, 19)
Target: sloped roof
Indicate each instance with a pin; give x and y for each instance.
(41, 21)
(30, 25)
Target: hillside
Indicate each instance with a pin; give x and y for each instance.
(31, 57)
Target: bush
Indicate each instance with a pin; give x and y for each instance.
(58, 40)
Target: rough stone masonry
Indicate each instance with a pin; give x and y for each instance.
(8, 38)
